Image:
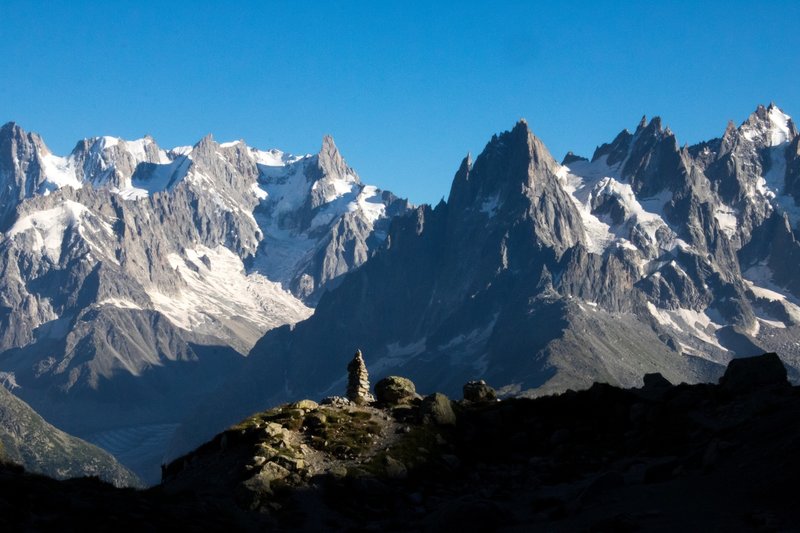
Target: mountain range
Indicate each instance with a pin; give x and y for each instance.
(540, 276)
(136, 278)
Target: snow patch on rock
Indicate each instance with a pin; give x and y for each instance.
(219, 289)
(47, 227)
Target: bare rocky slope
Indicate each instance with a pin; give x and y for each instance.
(28, 440)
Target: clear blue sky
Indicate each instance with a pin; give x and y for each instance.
(405, 88)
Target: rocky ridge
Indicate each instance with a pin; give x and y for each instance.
(588, 459)
(654, 457)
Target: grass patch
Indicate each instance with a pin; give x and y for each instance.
(344, 435)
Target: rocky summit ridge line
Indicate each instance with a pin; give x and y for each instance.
(135, 278)
(538, 276)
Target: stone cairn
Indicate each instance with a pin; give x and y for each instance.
(358, 381)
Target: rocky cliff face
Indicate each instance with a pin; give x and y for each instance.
(135, 278)
(540, 276)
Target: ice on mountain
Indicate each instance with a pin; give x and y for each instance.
(59, 172)
(219, 289)
(48, 226)
(779, 132)
(586, 182)
(108, 142)
(230, 144)
(772, 132)
(369, 202)
(726, 218)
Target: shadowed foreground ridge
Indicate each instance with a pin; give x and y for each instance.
(656, 457)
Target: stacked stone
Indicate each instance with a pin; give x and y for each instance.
(358, 381)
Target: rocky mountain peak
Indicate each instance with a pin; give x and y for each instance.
(23, 157)
(331, 163)
(10, 128)
(510, 163)
(11, 132)
(768, 126)
(730, 130)
(205, 146)
(572, 158)
(617, 150)
(652, 129)
(653, 162)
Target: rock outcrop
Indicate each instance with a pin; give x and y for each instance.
(754, 373)
(437, 409)
(655, 381)
(575, 461)
(479, 391)
(396, 390)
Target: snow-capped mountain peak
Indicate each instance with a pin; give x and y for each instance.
(768, 127)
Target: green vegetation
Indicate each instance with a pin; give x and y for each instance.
(285, 416)
(344, 434)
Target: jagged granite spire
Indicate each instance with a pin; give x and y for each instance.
(331, 161)
(21, 168)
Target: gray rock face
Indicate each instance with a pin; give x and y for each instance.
(539, 277)
(135, 278)
(21, 167)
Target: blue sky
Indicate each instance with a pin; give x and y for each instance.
(405, 88)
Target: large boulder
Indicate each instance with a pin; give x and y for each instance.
(752, 373)
(307, 405)
(655, 381)
(479, 391)
(395, 390)
(437, 409)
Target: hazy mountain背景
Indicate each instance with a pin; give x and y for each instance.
(136, 278)
(539, 276)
